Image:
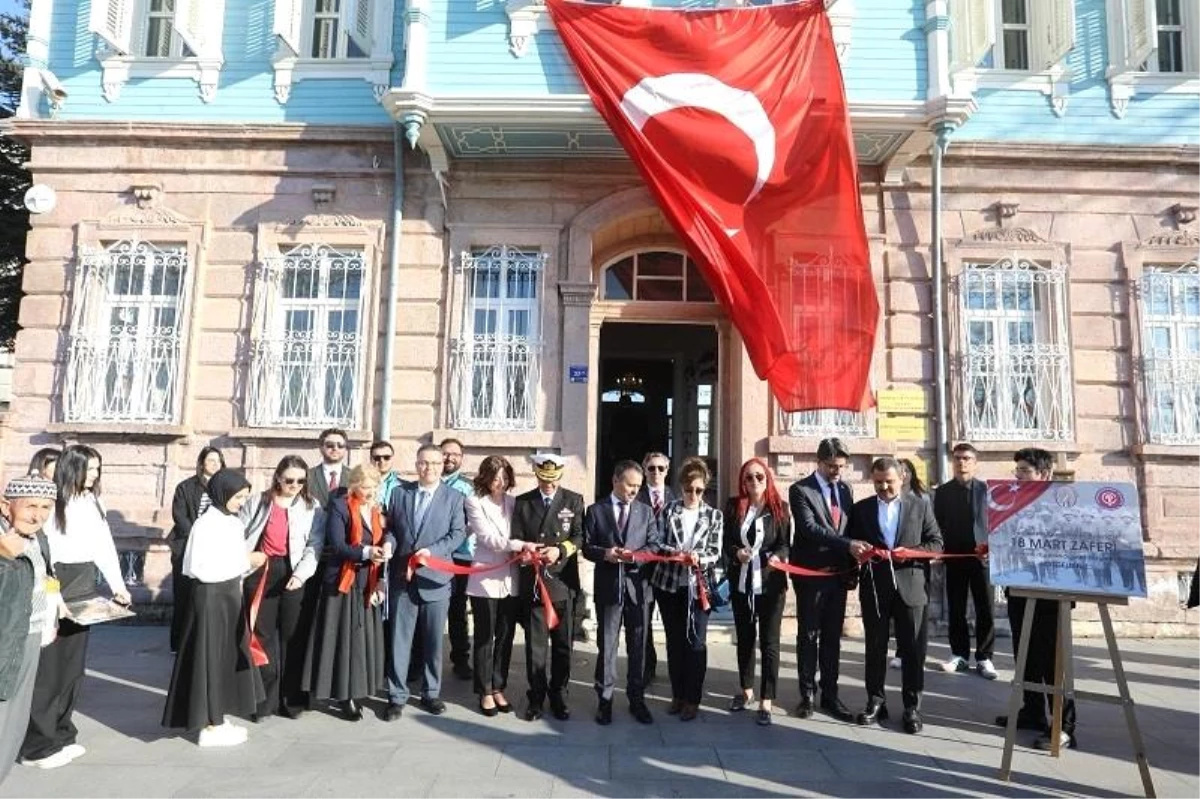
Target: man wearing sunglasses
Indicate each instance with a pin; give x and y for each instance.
(330, 477)
(383, 458)
(658, 495)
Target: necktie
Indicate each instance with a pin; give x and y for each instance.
(835, 511)
(622, 518)
(546, 501)
(658, 502)
(333, 481)
(422, 502)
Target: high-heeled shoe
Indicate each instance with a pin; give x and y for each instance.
(504, 707)
(487, 711)
(351, 710)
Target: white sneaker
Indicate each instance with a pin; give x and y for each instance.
(74, 750)
(985, 669)
(223, 735)
(1064, 742)
(56, 760)
(895, 663)
(955, 664)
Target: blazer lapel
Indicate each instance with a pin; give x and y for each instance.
(819, 499)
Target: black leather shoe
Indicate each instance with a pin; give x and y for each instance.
(835, 708)
(351, 710)
(642, 713)
(533, 712)
(604, 712)
(288, 712)
(874, 713)
(804, 710)
(1024, 723)
(393, 712)
(488, 711)
(559, 708)
(912, 721)
(463, 671)
(433, 705)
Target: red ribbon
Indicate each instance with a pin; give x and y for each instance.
(645, 556)
(904, 553)
(258, 653)
(524, 558)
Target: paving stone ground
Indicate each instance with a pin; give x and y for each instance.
(464, 754)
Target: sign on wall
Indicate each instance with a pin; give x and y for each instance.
(1070, 537)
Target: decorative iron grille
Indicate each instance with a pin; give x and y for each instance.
(307, 354)
(123, 357)
(1015, 356)
(495, 361)
(1170, 304)
(823, 424)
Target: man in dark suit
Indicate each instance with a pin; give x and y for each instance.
(330, 477)
(613, 529)
(552, 517)
(960, 507)
(426, 519)
(658, 495)
(894, 590)
(820, 505)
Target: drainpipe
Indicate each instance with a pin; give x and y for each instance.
(940, 375)
(389, 342)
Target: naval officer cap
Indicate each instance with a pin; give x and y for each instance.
(548, 466)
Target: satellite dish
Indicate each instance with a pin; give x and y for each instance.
(40, 199)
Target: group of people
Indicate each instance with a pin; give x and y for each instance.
(336, 583)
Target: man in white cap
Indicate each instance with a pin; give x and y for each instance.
(552, 517)
(26, 611)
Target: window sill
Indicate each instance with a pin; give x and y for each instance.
(1072, 449)
(118, 69)
(503, 439)
(306, 434)
(109, 430)
(1125, 85)
(289, 70)
(1189, 452)
(797, 445)
(1054, 83)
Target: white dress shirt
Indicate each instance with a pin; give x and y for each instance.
(87, 539)
(889, 520)
(216, 548)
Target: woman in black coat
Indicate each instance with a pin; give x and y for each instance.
(190, 501)
(758, 527)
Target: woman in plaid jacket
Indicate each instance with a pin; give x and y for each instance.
(693, 528)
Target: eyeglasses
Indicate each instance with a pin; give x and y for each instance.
(1024, 471)
(452, 454)
(428, 464)
(695, 492)
(294, 481)
(334, 445)
(656, 468)
(380, 458)
(755, 477)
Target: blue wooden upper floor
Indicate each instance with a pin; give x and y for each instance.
(1120, 72)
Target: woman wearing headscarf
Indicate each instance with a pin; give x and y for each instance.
(189, 503)
(758, 527)
(214, 676)
(346, 659)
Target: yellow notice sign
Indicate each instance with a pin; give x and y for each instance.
(902, 428)
(902, 400)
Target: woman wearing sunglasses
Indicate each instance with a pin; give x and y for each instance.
(758, 527)
(287, 525)
(690, 528)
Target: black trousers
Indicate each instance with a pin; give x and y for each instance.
(651, 653)
(460, 635)
(963, 576)
(283, 627)
(181, 593)
(495, 625)
(610, 619)
(1039, 665)
(758, 617)
(55, 692)
(545, 646)
(821, 607)
(911, 625)
(686, 626)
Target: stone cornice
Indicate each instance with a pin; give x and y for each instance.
(123, 132)
(1070, 155)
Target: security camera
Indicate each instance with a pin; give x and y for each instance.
(53, 87)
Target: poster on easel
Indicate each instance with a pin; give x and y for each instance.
(1070, 537)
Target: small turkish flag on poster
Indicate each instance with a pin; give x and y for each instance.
(737, 120)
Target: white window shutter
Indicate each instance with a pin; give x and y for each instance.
(112, 21)
(362, 19)
(1055, 19)
(1141, 29)
(971, 32)
(199, 24)
(289, 22)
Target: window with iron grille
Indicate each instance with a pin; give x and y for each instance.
(1015, 355)
(308, 355)
(495, 360)
(1170, 306)
(823, 424)
(124, 354)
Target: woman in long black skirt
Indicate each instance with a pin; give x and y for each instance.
(214, 676)
(345, 662)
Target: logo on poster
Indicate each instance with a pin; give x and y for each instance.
(1109, 498)
(1066, 497)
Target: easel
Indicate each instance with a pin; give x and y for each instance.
(1064, 675)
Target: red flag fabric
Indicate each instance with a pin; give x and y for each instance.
(1007, 497)
(737, 121)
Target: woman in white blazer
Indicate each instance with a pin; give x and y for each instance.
(493, 593)
(287, 525)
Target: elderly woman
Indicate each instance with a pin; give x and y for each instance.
(346, 660)
(691, 528)
(493, 594)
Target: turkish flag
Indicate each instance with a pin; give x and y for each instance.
(737, 120)
(1006, 498)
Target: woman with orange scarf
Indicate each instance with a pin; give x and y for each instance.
(346, 657)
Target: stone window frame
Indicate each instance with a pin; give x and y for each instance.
(144, 222)
(1171, 248)
(990, 246)
(339, 232)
